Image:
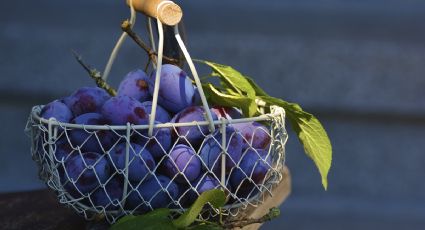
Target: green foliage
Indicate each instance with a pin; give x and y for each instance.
(215, 197)
(240, 91)
(160, 219)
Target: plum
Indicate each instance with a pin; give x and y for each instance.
(86, 139)
(160, 142)
(252, 171)
(62, 149)
(122, 109)
(57, 110)
(161, 115)
(200, 185)
(140, 163)
(255, 135)
(86, 100)
(175, 89)
(110, 195)
(193, 134)
(85, 172)
(211, 150)
(157, 191)
(183, 161)
(135, 85)
(226, 112)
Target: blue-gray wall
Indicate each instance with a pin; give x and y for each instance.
(358, 65)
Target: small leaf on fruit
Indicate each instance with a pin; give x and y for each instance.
(215, 197)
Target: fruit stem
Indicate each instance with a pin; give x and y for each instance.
(95, 75)
(126, 27)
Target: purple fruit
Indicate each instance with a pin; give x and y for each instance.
(194, 134)
(255, 135)
(226, 112)
(200, 185)
(135, 85)
(211, 150)
(160, 142)
(57, 110)
(183, 161)
(86, 139)
(110, 195)
(62, 149)
(175, 90)
(252, 171)
(87, 100)
(122, 109)
(161, 115)
(85, 172)
(141, 162)
(196, 99)
(158, 191)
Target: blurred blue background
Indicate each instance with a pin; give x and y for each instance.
(358, 65)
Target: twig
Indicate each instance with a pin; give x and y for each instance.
(273, 213)
(126, 27)
(95, 75)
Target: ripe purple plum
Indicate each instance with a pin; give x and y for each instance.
(57, 110)
(110, 195)
(252, 171)
(63, 149)
(141, 162)
(86, 100)
(183, 163)
(86, 139)
(160, 142)
(161, 115)
(211, 150)
(175, 89)
(200, 185)
(193, 134)
(158, 191)
(135, 85)
(226, 112)
(122, 109)
(255, 135)
(85, 172)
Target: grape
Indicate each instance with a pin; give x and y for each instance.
(161, 115)
(135, 85)
(87, 139)
(175, 89)
(57, 110)
(194, 134)
(122, 109)
(86, 100)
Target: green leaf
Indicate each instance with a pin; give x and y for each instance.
(247, 105)
(311, 134)
(233, 79)
(157, 219)
(215, 197)
(258, 90)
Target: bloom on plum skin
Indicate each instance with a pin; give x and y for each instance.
(183, 159)
(86, 100)
(135, 85)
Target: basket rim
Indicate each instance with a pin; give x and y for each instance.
(223, 121)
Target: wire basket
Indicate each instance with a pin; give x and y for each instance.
(105, 172)
(52, 148)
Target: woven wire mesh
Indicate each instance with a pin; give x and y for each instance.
(94, 183)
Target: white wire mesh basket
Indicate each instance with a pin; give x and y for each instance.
(101, 170)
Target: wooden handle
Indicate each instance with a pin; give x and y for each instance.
(169, 13)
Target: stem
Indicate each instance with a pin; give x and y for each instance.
(95, 75)
(126, 27)
(273, 213)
